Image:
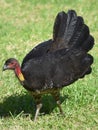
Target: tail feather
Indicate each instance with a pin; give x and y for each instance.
(87, 72)
(70, 26)
(86, 64)
(78, 33)
(70, 32)
(59, 25)
(80, 36)
(88, 44)
(63, 29)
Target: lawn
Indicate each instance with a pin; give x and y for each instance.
(23, 25)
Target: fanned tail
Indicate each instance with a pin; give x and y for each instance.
(70, 32)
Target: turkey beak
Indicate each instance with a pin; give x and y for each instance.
(4, 68)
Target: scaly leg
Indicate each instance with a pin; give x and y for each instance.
(59, 106)
(56, 95)
(39, 106)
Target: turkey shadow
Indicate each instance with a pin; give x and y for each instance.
(16, 104)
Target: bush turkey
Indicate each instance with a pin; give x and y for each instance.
(57, 62)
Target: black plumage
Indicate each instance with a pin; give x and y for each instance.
(58, 62)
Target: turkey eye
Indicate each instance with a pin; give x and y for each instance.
(12, 63)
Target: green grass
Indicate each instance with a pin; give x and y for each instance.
(24, 24)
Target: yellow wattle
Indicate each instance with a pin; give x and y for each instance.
(21, 77)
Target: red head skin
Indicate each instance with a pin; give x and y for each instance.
(12, 64)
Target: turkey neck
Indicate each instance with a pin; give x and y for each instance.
(19, 73)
